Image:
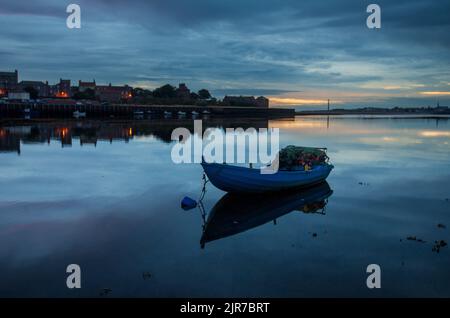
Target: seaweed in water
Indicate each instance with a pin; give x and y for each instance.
(413, 238)
(146, 275)
(105, 291)
(438, 244)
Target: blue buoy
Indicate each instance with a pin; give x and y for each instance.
(188, 203)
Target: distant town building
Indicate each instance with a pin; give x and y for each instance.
(61, 90)
(246, 101)
(262, 101)
(239, 101)
(113, 94)
(83, 86)
(64, 88)
(43, 89)
(10, 86)
(183, 91)
(9, 80)
(18, 96)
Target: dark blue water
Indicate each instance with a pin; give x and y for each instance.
(107, 196)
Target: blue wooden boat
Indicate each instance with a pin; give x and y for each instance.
(242, 179)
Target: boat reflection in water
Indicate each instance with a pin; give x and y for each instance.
(236, 213)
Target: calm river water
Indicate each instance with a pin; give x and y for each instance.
(107, 196)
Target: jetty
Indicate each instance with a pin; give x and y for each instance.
(63, 110)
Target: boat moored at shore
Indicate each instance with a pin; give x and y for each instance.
(238, 179)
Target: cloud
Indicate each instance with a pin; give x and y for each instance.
(234, 47)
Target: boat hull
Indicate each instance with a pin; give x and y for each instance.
(237, 179)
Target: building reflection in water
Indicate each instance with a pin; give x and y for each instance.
(91, 132)
(9, 142)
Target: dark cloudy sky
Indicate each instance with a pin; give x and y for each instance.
(296, 52)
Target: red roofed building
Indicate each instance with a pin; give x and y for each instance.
(61, 90)
(83, 86)
(9, 80)
(112, 94)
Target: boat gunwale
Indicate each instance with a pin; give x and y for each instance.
(314, 168)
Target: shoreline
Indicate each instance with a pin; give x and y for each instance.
(62, 110)
(392, 113)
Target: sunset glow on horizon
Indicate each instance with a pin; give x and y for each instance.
(435, 93)
(298, 101)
